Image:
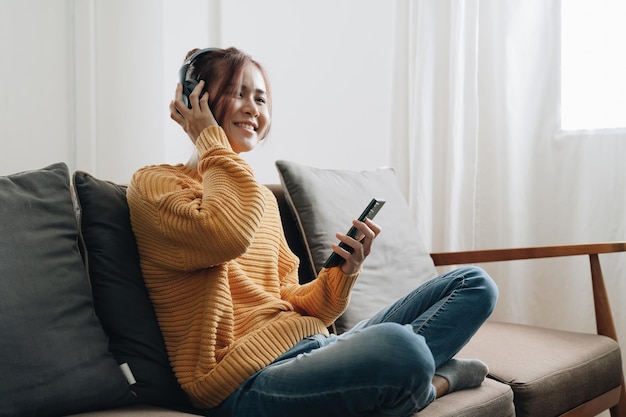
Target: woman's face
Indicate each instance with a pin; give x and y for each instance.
(247, 116)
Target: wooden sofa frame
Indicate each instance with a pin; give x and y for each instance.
(615, 400)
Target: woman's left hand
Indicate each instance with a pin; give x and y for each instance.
(361, 246)
(195, 119)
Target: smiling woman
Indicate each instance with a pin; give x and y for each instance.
(225, 287)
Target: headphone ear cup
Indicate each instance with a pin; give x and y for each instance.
(188, 87)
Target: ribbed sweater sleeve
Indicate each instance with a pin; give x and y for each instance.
(199, 228)
(326, 297)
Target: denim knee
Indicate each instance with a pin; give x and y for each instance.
(400, 354)
(403, 366)
(477, 279)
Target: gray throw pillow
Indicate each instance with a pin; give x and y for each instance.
(325, 201)
(53, 351)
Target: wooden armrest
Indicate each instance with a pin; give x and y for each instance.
(496, 255)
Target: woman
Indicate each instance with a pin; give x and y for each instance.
(243, 336)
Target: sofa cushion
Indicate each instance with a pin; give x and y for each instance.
(534, 360)
(120, 296)
(490, 399)
(325, 201)
(136, 411)
(53, 351)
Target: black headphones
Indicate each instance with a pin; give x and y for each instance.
(189, 85)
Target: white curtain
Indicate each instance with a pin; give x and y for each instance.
(482, 164)
(435, 146)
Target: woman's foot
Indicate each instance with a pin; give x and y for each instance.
(459, 374)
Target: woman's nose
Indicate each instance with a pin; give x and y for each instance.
(250, 107)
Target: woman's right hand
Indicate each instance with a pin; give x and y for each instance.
(195, 119)
(361, 248)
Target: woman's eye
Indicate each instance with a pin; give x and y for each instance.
(261, 100)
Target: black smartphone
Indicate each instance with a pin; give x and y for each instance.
(370, 211)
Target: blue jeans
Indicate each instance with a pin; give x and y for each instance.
(383, 365)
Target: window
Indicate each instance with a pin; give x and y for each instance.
(593, 64)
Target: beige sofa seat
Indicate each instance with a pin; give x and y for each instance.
(136, 411)
(550, 371)
(491, 399)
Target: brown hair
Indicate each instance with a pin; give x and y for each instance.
(222, 68)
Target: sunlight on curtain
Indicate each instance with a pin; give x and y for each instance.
(593, 64)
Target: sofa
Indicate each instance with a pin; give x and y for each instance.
(79, 335)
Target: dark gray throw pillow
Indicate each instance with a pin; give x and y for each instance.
(325, 201)
(120, 296)
(54, 357)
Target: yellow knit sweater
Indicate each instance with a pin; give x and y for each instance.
(220, 275)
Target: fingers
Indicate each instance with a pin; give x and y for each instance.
(361, 246)
(373, 227)
(194, 97)
(195, 119)
(177, 106)
(180, 105)
(369, 230)
(175, 114)
(204, 100)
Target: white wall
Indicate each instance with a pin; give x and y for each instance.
(88, 82)
(36, 106)
(330, 66)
